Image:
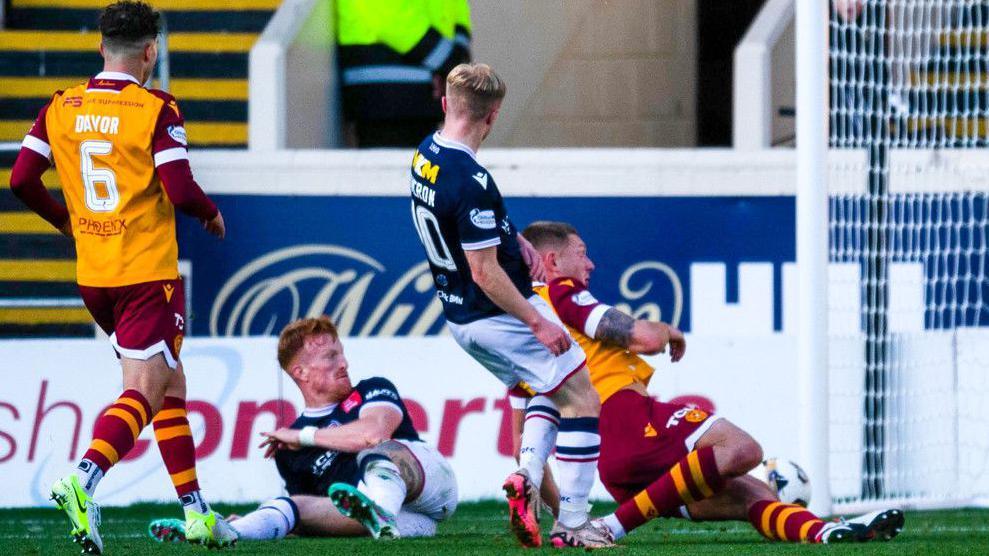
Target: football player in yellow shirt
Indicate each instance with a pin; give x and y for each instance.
(120, 152)
(659, 459)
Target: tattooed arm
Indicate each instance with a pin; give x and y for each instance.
(581, 311)
(639, 336)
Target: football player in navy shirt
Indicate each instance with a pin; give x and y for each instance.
(481, 269)
(352, 463)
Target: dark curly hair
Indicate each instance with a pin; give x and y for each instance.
(125, 25)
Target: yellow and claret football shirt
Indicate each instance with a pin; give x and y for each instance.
(612, 367)
(106, 138)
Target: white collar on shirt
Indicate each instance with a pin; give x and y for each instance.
(319, 411)
(116, 76)
(451, 144)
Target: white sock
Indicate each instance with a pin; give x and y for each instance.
(89, 475)
(577, 449)
(538, 437)
(272, 520)
(413, 524)
(611, 520)
(193, 502)
(383, 484)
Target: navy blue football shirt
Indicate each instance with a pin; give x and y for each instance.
(312, 470)
(456, 207)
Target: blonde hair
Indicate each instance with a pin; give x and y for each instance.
(474, 89)
(294, 336)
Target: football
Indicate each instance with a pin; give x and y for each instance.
(788, 479)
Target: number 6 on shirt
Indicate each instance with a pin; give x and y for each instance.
(91, 175)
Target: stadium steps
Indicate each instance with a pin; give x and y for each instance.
(36, 262)
(956, 80)
(52, 44)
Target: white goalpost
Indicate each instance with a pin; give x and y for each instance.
(812, 259)
(893, 228)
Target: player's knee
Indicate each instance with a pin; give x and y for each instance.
(577, 397)
(588, 401)
(381, 450)
(753, 454)
(746, 454)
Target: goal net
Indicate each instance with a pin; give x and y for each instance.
(908, 289)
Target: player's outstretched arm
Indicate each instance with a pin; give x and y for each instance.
(640, 336)
(491, 278)
(376, 425)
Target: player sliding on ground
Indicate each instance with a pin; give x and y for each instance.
(120, 151)
(657, 459)
(352, 462)
(479, 265)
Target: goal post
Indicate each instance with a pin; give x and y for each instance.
(812, 243)
(906, 212)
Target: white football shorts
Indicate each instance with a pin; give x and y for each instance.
(439, 495)
(506, 347)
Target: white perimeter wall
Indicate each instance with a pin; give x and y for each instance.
(47, 412)
(53, 390)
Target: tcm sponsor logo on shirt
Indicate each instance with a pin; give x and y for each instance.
(424, 168)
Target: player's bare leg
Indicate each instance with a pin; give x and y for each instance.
(550, 493)
(735, 451)
(318, 517)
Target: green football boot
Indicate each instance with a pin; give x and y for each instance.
(83, 513)
(210, 530)
(357, 506)
(167, 530)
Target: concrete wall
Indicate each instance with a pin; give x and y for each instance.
(591, 72)
(784, 88)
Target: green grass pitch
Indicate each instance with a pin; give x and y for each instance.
(480, 528)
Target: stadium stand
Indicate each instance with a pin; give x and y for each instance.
(51, 44)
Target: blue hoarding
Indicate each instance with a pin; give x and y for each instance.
(358, 258)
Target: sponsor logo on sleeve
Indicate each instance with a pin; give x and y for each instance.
(481, 178)
(177, 133)
(352, 401)
(483, 219)
(381, 393)
(583, 298)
